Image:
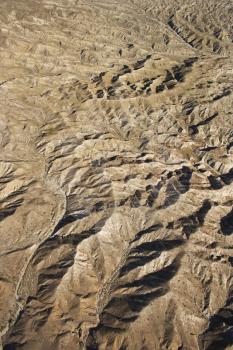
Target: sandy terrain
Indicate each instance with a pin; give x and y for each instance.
(116, 175)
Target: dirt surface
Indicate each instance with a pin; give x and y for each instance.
(116, 175)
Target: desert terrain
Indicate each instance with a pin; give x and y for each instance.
(116, 175)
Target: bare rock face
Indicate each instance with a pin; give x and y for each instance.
(116, 175)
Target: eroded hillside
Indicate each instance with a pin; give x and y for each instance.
(116, 168)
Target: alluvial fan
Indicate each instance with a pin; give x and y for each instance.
(116, 175)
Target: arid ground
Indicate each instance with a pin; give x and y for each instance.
(116, 175)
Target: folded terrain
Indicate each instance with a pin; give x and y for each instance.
(116, 175)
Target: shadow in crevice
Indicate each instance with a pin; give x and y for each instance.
(191, 223)
(122, 310)
(219, 335)
(146, 252)
(226, 224)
